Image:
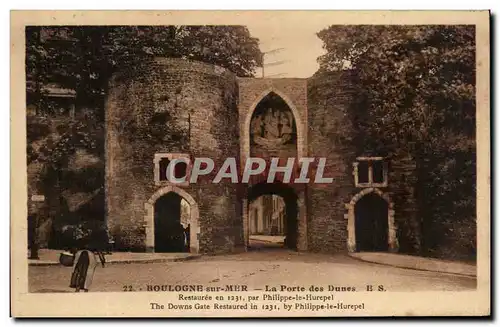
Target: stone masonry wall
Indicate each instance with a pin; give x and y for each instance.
(171, 106)
(184, 107)
(402, 179)
(329, 136)
(294, 92)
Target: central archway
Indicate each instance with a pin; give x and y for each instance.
(281, 194)
(298, 113)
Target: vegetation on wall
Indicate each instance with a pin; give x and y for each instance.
(418, 88)
(415, 84)
(78, 61)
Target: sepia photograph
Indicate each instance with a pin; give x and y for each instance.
(262, 168)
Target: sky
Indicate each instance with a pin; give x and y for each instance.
(301, 46)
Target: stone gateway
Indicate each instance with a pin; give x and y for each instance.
(179, 109)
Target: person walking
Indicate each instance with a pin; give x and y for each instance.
(86, 261)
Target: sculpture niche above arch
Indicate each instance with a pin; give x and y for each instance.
(279, 125)
(300, 121)
(149, 219)
(272, 125)
(393, 245)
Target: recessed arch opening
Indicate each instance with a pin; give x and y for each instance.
(299, 142)
(371, 213)
(300, 135)
(370, 225)
(273, 130)
(274, 220)
(171, 224)
(171, 221)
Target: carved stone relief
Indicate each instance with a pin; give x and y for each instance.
(272, 127)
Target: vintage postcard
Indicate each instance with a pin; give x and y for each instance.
(250, 163)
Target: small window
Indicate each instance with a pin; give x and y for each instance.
(181, 168)
(378, 171)
(363, 172)
(163, 168)
(370, 172)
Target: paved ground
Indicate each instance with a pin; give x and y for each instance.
(418, 263)
(269, 266)
(51, 257)
(267, 238)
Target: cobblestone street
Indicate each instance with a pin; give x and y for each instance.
(255, 269)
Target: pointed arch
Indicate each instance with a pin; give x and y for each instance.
(351, 223)
(299, 122)
(194, 217)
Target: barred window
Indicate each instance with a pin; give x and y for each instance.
(370, 172)
(161, 162)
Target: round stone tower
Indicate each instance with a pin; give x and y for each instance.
(164, 110)
(369, 206)
(330, 133)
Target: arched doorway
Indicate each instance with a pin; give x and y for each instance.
(273, 127)
(276, 224)
(371, 223)
(171, 224)
(171, 221)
